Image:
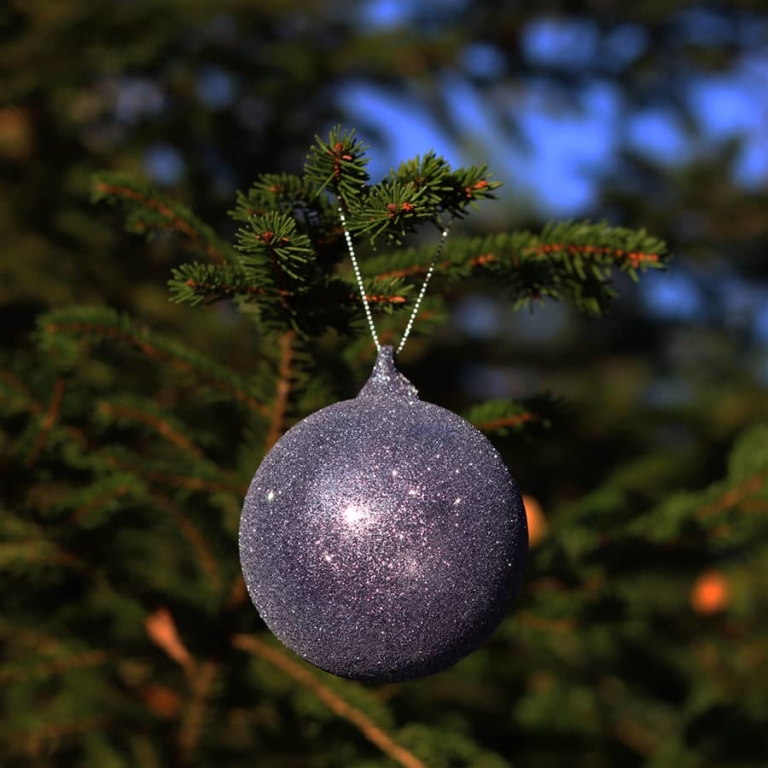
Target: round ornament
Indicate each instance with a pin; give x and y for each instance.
(382, 538)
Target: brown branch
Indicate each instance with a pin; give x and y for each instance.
(162, 427)
(635, 257)
(382, 299)
(49, 667)
(283, 390)
(42, 550)
(174, 222)
(179, 481)
(237, 595)
(635, 736)
(506, 421)
(161, 630)
(419, 269)
(734, 496)
(33, 639)
(192, 483)
(13, 382)
(547, 625)
(225, 288)
(753, 505)
(330, 698)
(83, 511)
(151, 351)
(48, 421)
(43, 738)
(191, 533)
(191, 725)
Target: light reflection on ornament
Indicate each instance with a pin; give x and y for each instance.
(355, 514)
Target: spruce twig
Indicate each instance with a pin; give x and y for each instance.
(100, 324)
(330, 698)
(282, 390)
(205, 556)
(149, 211)
(48, 421)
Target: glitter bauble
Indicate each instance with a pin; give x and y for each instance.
(382, 538)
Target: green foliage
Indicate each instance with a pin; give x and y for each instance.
(149, 476)
(288, 264)
(153, 213)
(128, 435)
(419, 191)
(529, 417)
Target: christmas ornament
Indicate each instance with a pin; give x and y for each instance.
(382, 538)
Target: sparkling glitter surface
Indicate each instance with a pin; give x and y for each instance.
(382, 538)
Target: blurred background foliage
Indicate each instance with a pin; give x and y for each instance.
(650, 114)
(654, 117)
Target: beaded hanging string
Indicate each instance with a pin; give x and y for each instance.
(358, 276)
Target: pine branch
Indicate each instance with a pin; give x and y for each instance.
(204, 478)
(283, 390)
(105, 461)
(46, 734)
(274, 252)
(503, 417)
(448, 746)
(337, 164)
(130, 411)
(16, 397)
(32, 553)
(41, 667)
(150, 212)
(290, 246)
(194, 283)
(529, 620)
(391, 210)
(734, 496)
(283, 193)
(191, 727)
(99, 498)
(717, 516)
(48, 422)
(104, 324)
(197, 284)
(450, 191)
(375, 734)
(200, 545)
(575, 261)
(418, 192)
(28, 639)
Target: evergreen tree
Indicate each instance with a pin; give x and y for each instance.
(130, 426)
(129, 638)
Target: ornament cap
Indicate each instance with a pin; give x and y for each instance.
(386, 380)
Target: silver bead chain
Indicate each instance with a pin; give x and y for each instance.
(356, 267)
(423, 290)
(419, 298)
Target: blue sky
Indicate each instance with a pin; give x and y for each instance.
(568, 146)
(565, 147)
